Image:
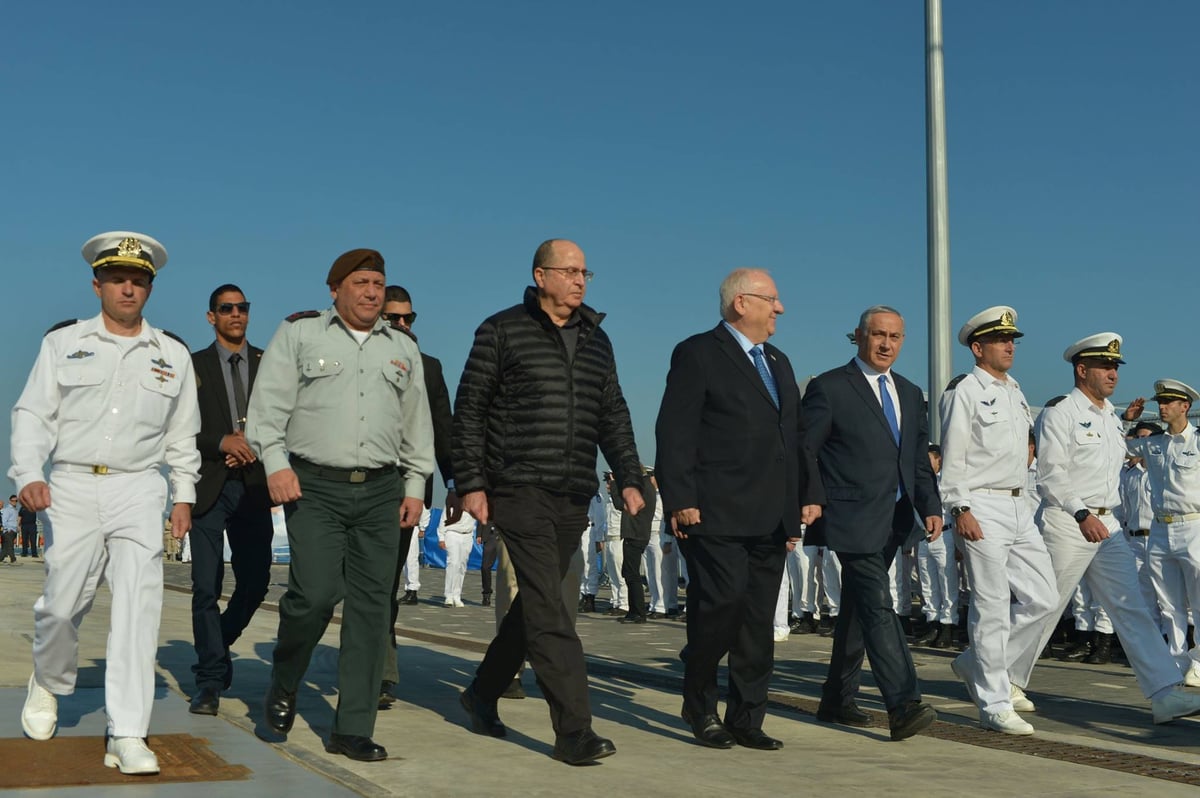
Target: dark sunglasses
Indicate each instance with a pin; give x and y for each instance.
(225, 308)
(396, 318)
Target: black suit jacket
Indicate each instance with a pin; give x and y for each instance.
(860, 463)
(443, 420)
(724, 448)
(216, 421)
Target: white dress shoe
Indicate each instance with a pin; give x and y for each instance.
(130, 755)
(1175, 704)
(781, 636)
(459, 603)
(1020, 701)
(1192, 677)
(39, 717)
(1007, 722)
(448, 602)
(960, 671)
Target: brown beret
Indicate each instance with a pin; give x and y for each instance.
(355, 260)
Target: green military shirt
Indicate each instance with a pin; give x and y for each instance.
(322, 396)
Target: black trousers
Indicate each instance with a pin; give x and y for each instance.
(29, 541)
(7, 540)
(248, 521)
(391, 666)
(489, 557)
(541, 532)
(732, 590)
(868, 625)
(631, 574)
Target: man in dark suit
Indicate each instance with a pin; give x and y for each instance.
(868, 427)
(398, 312)
(231, 496)
(733, 472)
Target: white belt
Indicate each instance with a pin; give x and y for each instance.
(999, 491)
(1176, 519)
(98, 470)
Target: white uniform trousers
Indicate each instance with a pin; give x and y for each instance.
(589, 582)
(412, 564)
(1010, 562)
(1110, 574)
(801, 565)
(831, 581)
(652, 557)
(1174, 558)
(939, 578)
(103, 527)
(1086, 609)
(458, 550)
(780, 621)
(613, 559)
(670, 575)
(1139, 545)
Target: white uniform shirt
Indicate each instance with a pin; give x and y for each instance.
(1135, 498)
(94, 398)
(985, 436)
(597, 518)
(1081, 448)
(464, 525)
(1173, 463)
(612, 518)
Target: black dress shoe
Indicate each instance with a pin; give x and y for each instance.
(709, 730)
(410, 597)
(487, 600)
(582, 747)
(362, 749)
(755, 738)
(205, 702)
(846, 714)
(927, 635)
(485, 719)
(281, 709)
(514, 690)
(618, 611)
(631, 618)
(654, 616)
(910, 718)
(386, 699)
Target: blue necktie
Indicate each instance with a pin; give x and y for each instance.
(889, 410)
(760, 363)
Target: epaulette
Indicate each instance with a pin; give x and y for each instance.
(170, 334)
(303, 314)
(954, 382)
(62, 324)
(1055, 400)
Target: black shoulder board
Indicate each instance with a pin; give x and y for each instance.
(407, 332)
(170, 334)
(62, 324)
(950, 386)
(304, 314)
(1055, 400)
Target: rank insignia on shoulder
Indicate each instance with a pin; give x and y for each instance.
(175, 337)
(303, 314)
(79, 354)
(954, 382)
(1056, 400)
(62, 324)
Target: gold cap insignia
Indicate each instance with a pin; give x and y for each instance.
(129, 248)
(1114, 347)
(1006, 319)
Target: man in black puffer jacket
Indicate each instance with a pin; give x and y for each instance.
(538, 395)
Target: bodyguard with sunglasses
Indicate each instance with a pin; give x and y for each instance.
(231, 496)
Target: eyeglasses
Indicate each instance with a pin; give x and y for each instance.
(396, 318)
(763, 297)
(225, 308)
(571, 272)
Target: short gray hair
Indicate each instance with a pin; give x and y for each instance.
(738, 282)
(866, 315)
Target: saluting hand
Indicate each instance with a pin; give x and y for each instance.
(1134, 410)
(35, 496)
(284, 486)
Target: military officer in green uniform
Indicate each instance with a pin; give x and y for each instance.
(339, 419)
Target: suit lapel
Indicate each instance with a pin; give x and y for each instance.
(255, 356)
(741, 362)
(858, 382)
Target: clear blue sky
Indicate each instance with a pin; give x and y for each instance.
(672, 140)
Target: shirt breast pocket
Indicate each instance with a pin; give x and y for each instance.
(1087, 437)
(156, 393)
(398, 374)
(80, 400)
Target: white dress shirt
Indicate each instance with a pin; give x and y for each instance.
(1081, 448)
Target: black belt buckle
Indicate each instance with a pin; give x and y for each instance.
(357, 476)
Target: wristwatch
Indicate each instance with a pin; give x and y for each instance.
(1082, 515)
(955, 512)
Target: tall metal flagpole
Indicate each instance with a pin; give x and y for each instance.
(938, 220)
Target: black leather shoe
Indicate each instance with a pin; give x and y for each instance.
(755, 738)
(631, 618)
(927, 635)
(514, 690)
(910, 718)
(582, 747)
(205, 702)
(485, 719)
(281, 709)
(709, 730)
(487, 600)
(386, 699)
(847, 715)
(362, 749)
(410, 597)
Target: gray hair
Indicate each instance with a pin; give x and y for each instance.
(874, 309)
(739, 281)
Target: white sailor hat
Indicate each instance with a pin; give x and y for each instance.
(1170, 390)
(1000, 319)
(1101, 346)
(123, 248)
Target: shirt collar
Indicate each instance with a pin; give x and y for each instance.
(987, 379)
(869, 372)
(745, 343)
(1078, 397)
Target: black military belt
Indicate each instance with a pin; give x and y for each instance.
(340, 474)
(1139, 533)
